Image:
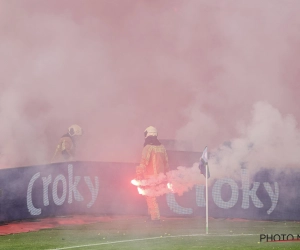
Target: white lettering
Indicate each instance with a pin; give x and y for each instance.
(200, 195)
(217, 197)
(273, 196)
(175, 207)
(59, 201)
(247, 193)
(32, 210)
(46, 183)
(93, 189)
(73, 186)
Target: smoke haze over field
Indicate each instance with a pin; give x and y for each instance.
(204, 71)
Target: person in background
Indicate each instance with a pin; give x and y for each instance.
(154, 161)
(65, 150)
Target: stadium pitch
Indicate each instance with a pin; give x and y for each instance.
(174, 233)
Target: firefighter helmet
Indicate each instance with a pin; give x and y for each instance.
(150, 131)
(75, 130)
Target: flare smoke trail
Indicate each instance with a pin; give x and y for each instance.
(197, 70)
(176, 181)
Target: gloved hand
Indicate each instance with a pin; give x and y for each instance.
(139, 177)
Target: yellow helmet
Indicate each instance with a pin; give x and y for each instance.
(150, 131)
(75, 130)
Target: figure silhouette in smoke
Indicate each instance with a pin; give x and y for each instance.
(65, 150)
(154, 162)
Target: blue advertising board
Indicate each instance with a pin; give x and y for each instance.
(103, 188)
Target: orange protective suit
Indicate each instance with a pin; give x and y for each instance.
(154, 161)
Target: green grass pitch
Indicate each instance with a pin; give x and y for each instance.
(130, 233)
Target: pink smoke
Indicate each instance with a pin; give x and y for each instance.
(193, 69)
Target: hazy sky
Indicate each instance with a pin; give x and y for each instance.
(205, 71)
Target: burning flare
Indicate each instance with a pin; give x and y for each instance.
(175, 181)
(135, 182)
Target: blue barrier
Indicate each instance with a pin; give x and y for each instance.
(105, 188)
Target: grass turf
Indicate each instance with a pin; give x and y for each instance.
(137, 233)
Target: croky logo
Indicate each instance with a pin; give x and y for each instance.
(70, 186)
(247, 195)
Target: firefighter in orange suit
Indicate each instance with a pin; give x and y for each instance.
(65, 150)
(154, 161)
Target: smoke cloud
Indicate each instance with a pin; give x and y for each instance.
(270, 140)
(205, 71)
